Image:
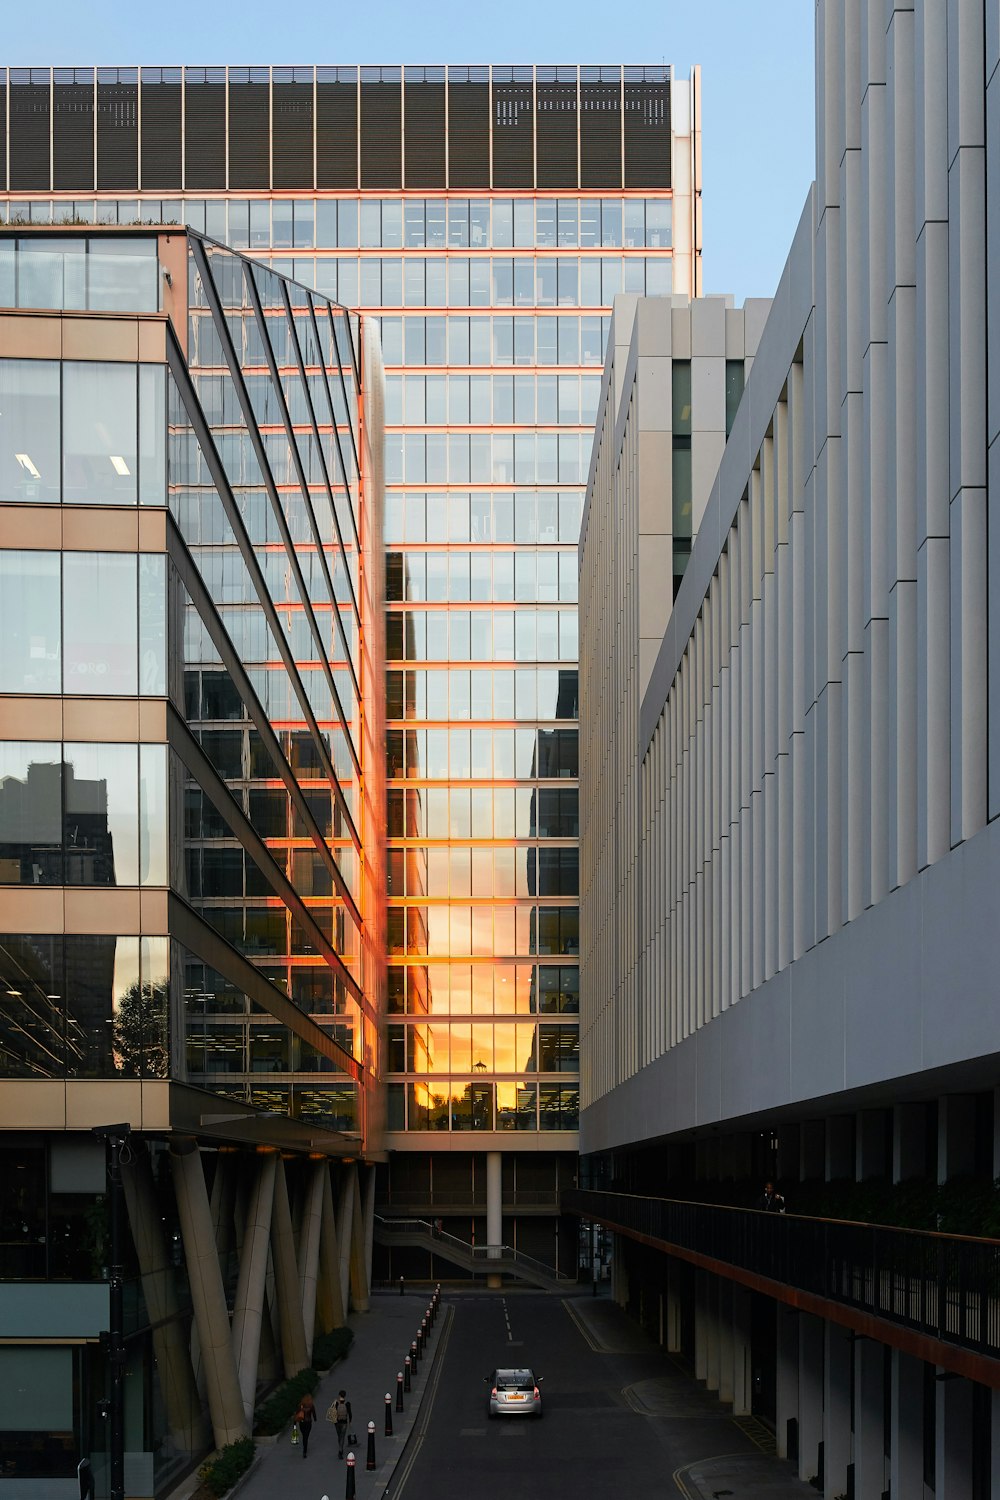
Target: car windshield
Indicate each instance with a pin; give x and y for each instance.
(515, 1380)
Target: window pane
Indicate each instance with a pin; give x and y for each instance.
(29, 430)
(99, 615)
(99, 433)
(29, 622)
(30, 802)
(101, 823)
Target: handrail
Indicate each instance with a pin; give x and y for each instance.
(486, 1253)
(946, 1287)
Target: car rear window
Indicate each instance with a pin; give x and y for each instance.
(515, 1380)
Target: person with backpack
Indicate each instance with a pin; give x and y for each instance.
(341, 1416)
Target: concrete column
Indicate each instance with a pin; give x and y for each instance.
(359, 1271)
(329, 1301)
(672, 1310)
(295, 1355)
(208, 1294)
(836, 1409)
(368, 1207)
(869, 1419)
(345, 1228)
(312, 1223)
(713, 1351)
(742, 1372)
(494, 1212)
(812, 1151)
(839, 1147)
(700, 1327)
(953, 1447)
(268, 1364)
(909, 1156)
(956, 1138)
(186, 1422)
(869, 1145)
(222, 1205)
(726, 1340)
(250, 1306)
(810, 1394)
(906, 1464)
(787, 1375)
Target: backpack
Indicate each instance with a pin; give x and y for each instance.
(340, 1410)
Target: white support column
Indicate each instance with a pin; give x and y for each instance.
(208, 1295)
(295, 1355)
(869, 1435)
(810, 1394)
(312, 1221)
(906, 1465)
(787, 1373)
(329, 1301)
(953, 1447)
(836, 1409)
(742, 1373)
(250, 1306)
(187, 1427)
(494, 1212)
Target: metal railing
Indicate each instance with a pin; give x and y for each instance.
(944, 1286)
(483, 1258)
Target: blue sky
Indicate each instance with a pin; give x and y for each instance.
(756, 60)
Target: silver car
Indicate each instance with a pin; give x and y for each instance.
(514, 1393)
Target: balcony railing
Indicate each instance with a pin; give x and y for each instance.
(943, 1286)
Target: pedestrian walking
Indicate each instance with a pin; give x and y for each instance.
(305, 1417)
(341, 1416)
(770, 1201)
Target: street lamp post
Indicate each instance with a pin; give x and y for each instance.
(115, 1137)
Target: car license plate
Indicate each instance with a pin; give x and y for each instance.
(515, 1396)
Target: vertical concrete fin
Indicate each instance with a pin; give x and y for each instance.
(329, 1297)
(312, 1220)
(286, 1279)
(250, 1308)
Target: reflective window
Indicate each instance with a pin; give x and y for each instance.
(29, 430)
(99, 623)
(30, 821)
(100, 433)
(30, 649)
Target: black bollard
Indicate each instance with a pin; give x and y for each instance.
(399, 1391)
(388, 1415)
(414, 1356)
(407, 1368)
(401, 1286)
(370, 1460)
(420, 1343)
(425, 1330)
(350, 1491)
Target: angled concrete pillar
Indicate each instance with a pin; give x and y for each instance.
(250, 1306)
(186, 1421)
(870, 1475)
(295, 1355)
(345, 1227)
(906, 1413)
(742, 1373)
(222, 1206)
(810, 1394)
(359, 1271)
(208, 1294)
(787, 1374)
(836, 1409)
(269, 1365)
(329, 1299)
(312, 1223)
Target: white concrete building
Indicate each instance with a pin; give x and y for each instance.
(790, 864)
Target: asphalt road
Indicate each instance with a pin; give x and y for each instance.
(618, 1415)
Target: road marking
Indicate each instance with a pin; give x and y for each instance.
(506, 1318)
(678, 1474)
(597, 1347)
(420, 1426)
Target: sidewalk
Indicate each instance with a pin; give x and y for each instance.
(381, 1341)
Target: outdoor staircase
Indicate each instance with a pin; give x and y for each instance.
(498, 1260)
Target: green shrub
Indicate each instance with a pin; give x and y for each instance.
(328, 1347)
(222, 1471)
(283, 1403)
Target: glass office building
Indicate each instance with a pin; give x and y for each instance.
(192, 820)
(487, 215)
